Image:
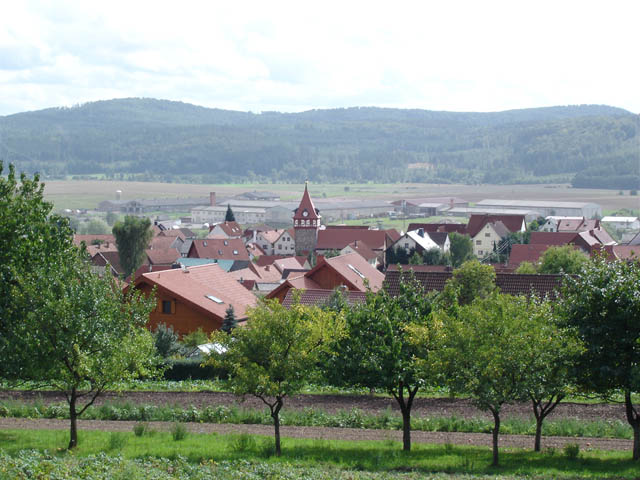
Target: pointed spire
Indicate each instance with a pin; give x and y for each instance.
(306, 210)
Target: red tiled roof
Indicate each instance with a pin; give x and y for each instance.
(110, 257)
(272, 236)
(439, 227)
(393, 235)
(319, 297)
(172, 232)
(232, 229)
(162, 256)
(477, 222)
(306, 205)
(162, 242)
(220, 249)
(288, 263)
(255, 250)
(192, 286)
(576, 225)
(363, 249)
(552, 238)
(338, 238)
(510, 283)
(355, 269)
(623, 252)
(526, 253)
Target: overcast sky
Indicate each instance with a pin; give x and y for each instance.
(478, 55)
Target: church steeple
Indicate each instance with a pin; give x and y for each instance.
(306, 215)
(306, 223)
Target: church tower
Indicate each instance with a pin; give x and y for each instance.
(306, 223)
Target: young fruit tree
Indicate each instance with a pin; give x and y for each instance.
(602, 302)
(550, 364)
(377, 352)
(276, 353)
(82, 334)
(62, 325)
(484, 352)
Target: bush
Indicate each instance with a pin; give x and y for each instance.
(140, 428)
(242, 443)
(571, 450)
(178, 432)
(191, 369)
(117, 441)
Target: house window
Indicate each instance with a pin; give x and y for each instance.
(166, 307)
(487, 234)
(478, 242)
(480, 252)
(406, 245)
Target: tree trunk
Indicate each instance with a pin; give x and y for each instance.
(405, 408)
(406, 430)
(496, 432)
(275, 414)
(536, 445)
(73, 416)
(634, 420)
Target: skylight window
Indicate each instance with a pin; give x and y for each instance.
(214, 298)
(355, 270)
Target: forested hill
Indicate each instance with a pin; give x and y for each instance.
(590, 145)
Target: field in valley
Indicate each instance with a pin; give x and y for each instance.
(88, 193)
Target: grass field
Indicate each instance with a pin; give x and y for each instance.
(385, 456)
(88, 193)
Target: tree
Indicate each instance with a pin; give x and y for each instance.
(95, 226)
(229, 216)
(471, 280)
(111, 218)
(460, 249)
(603, 303)
(277, 353)
(564, 259)
(415, 259)
(377, 352)
(484, 353)
(527, 268)
(229, 322)
(82, 333)
(132, 239)
(550, 365)
(195, 338)
(433, 256)
(29, 237)
(165, 341)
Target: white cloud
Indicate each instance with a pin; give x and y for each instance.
(291, 56)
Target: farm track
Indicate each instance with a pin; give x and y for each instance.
(325, 433)
(331, 404)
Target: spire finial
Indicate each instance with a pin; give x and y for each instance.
(306, 183)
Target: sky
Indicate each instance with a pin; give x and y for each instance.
(480, 55)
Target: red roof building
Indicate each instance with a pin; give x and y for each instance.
(225, 230)
(513, 223)
(195, 297)
(350, 270)
(219, 249)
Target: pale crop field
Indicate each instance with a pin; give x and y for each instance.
(88, 193)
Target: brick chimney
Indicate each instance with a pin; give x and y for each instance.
(212, 199)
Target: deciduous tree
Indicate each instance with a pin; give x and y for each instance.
(603, 303)
(460, 249)
(484, 353)
(377, 351)
(277, 353)
(564, 259)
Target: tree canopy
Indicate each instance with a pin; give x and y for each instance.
(132, 239)
(602, 303)
(135, 139)
(277, 353)
(377, 351)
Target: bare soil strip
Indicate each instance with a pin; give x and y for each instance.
(325, 433)
(332, 403)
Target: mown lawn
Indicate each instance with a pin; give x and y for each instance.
(339, 456)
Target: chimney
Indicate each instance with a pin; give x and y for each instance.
(212, 199)
(421, 232)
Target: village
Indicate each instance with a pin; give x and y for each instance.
(281, 250)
